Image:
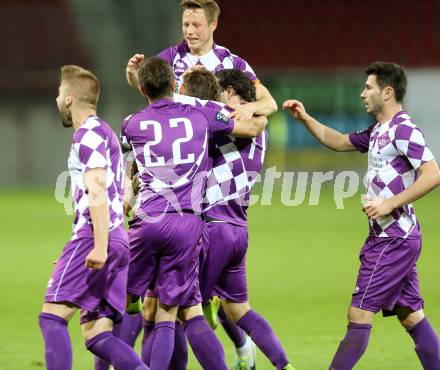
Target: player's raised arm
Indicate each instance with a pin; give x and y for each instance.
(325, 135)
(265, 105)
(249, 128)
(133, 65)
(95, 181)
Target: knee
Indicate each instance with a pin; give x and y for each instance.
(409, 319)
(149, 309)
(166, 313)
(359, 316)
(189, 313)
(235, 311)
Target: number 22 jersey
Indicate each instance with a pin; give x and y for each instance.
(169, 141)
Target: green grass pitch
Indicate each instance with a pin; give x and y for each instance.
(302, 265)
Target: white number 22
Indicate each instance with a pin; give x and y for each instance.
(158, 136)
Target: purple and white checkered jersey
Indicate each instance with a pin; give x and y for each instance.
(170, 145)
(396, 150)
(236, 163)
(95, 145)
(217, 59)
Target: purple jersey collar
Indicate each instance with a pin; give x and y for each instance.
(398, 118)
(161, 103)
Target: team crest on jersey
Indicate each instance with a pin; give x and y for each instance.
(180, 67)
(383, 140)
(221, 117)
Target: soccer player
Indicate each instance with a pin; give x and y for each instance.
(91, 274)
(199, 21)
(401, 169)
(169, 141)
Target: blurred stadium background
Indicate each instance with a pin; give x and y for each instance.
(315, 51)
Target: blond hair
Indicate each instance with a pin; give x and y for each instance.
(83, 83)
(211, 8)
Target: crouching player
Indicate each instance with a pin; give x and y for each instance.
(91, 274)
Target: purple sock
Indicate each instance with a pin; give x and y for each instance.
(57, 342)
(147, 341)
(101, 364)
(352, 346)
(163, 345)
(427, 344)
(232, 330)
(115, 351)
(127, 330)
(204, 343)
(179, 360)
(264, 337)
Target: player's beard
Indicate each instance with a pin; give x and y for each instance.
(376, 108)
(66, 117)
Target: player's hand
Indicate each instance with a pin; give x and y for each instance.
(243, 112)
(132, 67)
(297, 109)
(378, 207)
(96, 259)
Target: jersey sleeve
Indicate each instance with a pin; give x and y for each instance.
(219, 123)
(243, 66)
(91, 146)
(167, 55)
(125, 140)
(410, 142)
(361, 139)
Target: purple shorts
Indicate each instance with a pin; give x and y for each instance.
(164, 257)
(224, 270)
(99, 293)
(388, 275)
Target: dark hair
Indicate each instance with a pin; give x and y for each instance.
(156, 78)
(201, 84)
(239, 81)
(211, 8)
(389, 74)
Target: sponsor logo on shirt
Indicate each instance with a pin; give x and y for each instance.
(180, 67)
(221, 117)
(383, 140)
(377, 163)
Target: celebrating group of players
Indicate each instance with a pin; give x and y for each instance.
(184, 166)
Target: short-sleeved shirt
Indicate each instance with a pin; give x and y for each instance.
(170, 145)
(396, 149)
(217, 59)
(95, 145)
(236, 163)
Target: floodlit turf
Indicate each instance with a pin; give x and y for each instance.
(302, 266)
